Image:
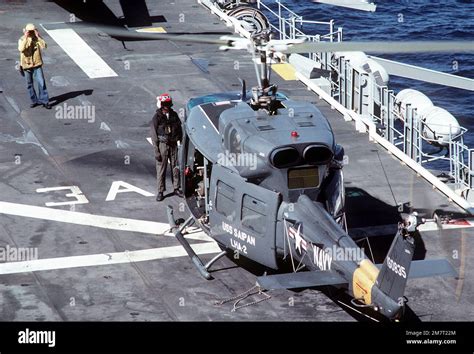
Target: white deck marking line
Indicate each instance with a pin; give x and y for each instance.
(432, 226)
(101, 221)
(104, 258)
(80, 52)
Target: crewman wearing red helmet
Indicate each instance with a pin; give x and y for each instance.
(166, 134)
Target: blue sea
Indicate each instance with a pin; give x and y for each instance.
(401, 20)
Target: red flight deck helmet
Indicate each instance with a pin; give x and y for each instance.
(164, 100)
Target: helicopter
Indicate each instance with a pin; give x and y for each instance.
(262, 175)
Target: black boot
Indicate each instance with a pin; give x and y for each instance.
(159, 197)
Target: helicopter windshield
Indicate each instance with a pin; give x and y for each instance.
(229, 96)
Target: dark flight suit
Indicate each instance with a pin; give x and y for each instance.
(166, 131)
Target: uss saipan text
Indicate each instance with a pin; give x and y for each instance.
(241, 235)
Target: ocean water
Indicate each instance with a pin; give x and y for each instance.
(401, 20)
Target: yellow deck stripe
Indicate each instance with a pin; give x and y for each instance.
(286, 71)
(152, 30)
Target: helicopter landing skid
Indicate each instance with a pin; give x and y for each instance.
(203, 269)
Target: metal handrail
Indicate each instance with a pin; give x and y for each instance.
(288, 22)
(357, 90)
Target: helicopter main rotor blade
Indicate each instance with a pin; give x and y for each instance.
(166, 36)
(292, 46)
(363, 5)
(421, 74)
(124, 34)
(383, 47)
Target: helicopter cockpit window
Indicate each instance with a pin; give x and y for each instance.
(253, 214)
(235, 140)
(225, 200)
(299, 178)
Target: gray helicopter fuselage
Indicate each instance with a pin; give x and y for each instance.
(268, 185)
(258, 165)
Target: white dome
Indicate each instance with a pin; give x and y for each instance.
(440, 125)
(357, 59)
(378, 71)
(414, 98)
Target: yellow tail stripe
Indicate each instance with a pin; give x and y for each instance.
(363, 280)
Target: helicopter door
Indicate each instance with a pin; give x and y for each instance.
(243, 216)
